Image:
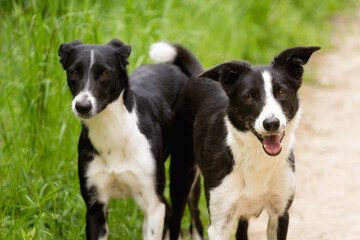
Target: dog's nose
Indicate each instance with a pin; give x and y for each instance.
(83, 107)
(271, 124)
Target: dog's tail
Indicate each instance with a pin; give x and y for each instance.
(164, 52)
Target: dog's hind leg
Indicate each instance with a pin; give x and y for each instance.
(196, 227)
(183, 173)
(160, 186)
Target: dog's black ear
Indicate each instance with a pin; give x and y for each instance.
(292, 59)
(123, 50)
(65, 49)
(227, 73)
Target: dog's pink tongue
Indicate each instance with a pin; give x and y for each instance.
(272, 144)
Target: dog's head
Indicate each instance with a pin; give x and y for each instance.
(96, 74)
(263, 99)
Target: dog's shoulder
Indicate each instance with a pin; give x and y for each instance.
(203, 95)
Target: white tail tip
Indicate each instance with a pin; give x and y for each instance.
(162, 52)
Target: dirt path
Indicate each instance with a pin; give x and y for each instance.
(327, 201)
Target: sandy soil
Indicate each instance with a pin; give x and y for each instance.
(327, 200)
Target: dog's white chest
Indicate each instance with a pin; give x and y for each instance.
(257, 180)
(246, 192)
(122, 182)
(125, 160)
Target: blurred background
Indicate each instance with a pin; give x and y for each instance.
(39, 189)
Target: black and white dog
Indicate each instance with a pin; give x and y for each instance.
(238, 131)
(125, 126)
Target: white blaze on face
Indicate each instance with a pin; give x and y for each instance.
(272, 108)
(85, 94)
(92, 59)
(272, 111)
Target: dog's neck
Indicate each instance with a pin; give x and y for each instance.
(122, 107)
(251, 163)
(115, 126)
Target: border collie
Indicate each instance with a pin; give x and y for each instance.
(238, 131)
(125, 126)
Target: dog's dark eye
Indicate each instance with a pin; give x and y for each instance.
(74, 73)
(282, 93)
(105, 74)
(249, 97)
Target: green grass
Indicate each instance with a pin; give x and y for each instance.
(39, 193)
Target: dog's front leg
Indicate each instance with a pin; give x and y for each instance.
(222, 210)
(96, 222)
(278, 208)
(277, 226)
(154, 221)
(154, 212)
(222, 218)
(96, 214)
(219, 229)
(242, 229)
(96, 211)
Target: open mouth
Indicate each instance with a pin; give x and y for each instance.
(271, 143)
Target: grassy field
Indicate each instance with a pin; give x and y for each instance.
(39, 193)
